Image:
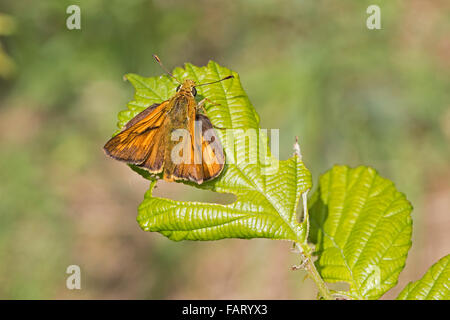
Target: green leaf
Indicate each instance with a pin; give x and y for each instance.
(434, 285)
(361, 226)
(267, 191)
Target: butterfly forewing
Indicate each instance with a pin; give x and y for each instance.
(139, 139)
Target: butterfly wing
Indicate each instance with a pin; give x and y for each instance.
(206, 157)
(212, 150)
(142, 140)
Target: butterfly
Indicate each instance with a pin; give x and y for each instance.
(172, 137)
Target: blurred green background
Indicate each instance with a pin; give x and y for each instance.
(311, 68)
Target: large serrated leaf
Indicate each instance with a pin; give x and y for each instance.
(267, 192)
(434, 285)
(361, 226)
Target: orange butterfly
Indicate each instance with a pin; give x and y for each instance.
(151, 139)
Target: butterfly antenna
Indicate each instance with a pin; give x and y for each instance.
(204, 84)
(164, 68)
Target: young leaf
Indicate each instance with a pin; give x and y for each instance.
(267, 191)
(434, 285)
(361, 226)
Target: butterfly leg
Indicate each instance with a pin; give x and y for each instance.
(201, 105)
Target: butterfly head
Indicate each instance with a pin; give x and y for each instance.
(187, 88)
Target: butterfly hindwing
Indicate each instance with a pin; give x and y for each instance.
(206, 158)
(212, 150)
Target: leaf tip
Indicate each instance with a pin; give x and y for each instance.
(297, 151)
(128, 76)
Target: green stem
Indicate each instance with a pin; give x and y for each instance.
(313, 273)
(306, 250)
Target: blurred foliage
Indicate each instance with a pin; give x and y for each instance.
(7, 26)
(311, 68)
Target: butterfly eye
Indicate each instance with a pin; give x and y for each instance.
(178, 88)
(194, 91)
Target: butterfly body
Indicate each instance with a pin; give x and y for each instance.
(158, 137)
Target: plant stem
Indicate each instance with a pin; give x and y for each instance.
(312, 271)
(306, 250)
(303, 247)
